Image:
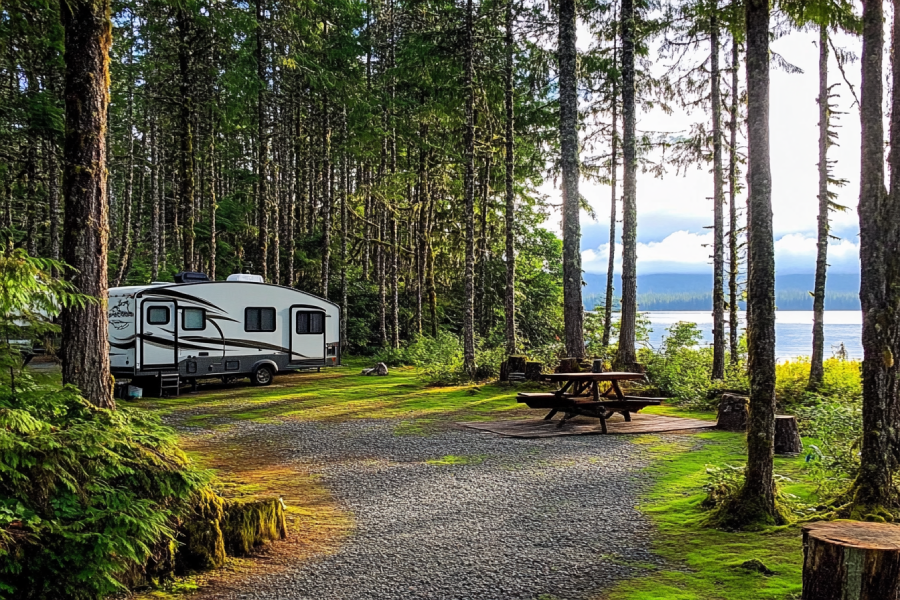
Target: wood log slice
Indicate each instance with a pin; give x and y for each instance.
(533, 370)
(516, 363)
(734, 413)
(787, 435)
(851, 560)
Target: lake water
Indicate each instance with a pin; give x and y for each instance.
(793, 330)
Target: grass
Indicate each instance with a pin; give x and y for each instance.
(451, 459)
(704, 563)
(340, 394)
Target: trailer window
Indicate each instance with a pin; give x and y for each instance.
(193, 319)
(310, 322)
(259, 319)
(158, 315)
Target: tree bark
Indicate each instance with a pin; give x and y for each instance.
(187, 140)
(469, 186)
(262, 156)
(510, 208)
(613, 184)
(345, 198)
(758, 493)
(573, 308)
(626, 355)
(733, 257)
(53, 176)
(817, 367)
(155, 215)
(327, 175)
(879, 235)
(84, 346)
(718, 366)
(125, 240)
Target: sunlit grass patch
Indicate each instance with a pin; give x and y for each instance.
(338, 395)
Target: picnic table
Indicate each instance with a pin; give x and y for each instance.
(579, 394)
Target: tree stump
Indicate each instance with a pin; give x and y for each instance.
(597, 365)
(734, 413)
(533, 370)
(787, 435)
(845, 560)
(516, 363)
(569, 365)
(504, 371)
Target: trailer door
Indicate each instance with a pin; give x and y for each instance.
(307, 336)
(159, 340)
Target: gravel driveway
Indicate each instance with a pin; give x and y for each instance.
(544, 518)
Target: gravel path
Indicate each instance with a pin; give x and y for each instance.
(544, 518)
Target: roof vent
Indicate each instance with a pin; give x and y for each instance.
(189, 277)
(246, 278)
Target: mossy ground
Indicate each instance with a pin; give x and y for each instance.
(705, 563)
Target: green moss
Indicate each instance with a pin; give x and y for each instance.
(703, 563)
(249, 524)
(452, 459)
(203, 546)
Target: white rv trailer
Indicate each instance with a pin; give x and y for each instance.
(229, 329)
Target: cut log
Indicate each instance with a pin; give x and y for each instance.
(504, 371)
(851, 559)
(787, 435)
(533, 370)
(569, 365)
(734, 412)
(516, 363)
(597, 365)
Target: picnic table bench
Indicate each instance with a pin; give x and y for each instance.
(579, 394)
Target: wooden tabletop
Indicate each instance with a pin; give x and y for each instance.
(609, 376)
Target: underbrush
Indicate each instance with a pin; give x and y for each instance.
(89, 498)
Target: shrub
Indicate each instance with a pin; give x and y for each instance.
(842, 381)
(86, 494)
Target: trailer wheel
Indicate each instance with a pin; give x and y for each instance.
(263, 375)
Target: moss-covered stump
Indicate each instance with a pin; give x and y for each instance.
(202, 544)
(247, 524)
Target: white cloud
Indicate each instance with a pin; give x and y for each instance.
(686, 252)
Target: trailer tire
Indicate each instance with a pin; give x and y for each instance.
(262, 375)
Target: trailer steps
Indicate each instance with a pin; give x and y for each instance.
(169, 382)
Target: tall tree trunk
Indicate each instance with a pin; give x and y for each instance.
(395, 284)
(626, 355)
(573, 307)
(345, 193)
(613, 171)
(758, 492)
(84, 345)
(469, 186)
(53, 176)
(125, 240)
(327, 175)
(510, 212)
(879, 235)
(733, 257)
(817, 367)
(213, 205)
(262, 156)
(155, 214)
(187, 140)
(718, 366)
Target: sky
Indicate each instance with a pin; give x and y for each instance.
(674, 211)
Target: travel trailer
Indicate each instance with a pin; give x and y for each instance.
(164, 333)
